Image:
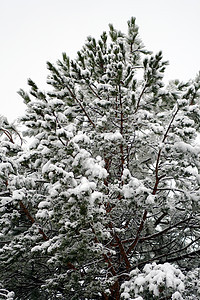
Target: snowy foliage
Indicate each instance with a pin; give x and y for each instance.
(4, 294)
(104, 203)
(155, 281)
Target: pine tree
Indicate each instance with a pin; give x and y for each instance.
(104, 202)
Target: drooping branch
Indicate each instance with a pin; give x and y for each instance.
(152, 236)
(81, 106)
(169, 254)
(27, 213)
(170, 124)
(135, 242)
(187, 255)
(45, 237)
(93, 91)
(149, 237)
(18, 135)
(8, 134)
(140, 97)
(121, 248)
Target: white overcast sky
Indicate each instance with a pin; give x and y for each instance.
(35, 31)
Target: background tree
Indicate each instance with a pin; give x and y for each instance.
(106, 196)
(9, 215)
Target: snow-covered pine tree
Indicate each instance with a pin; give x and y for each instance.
(107, 194)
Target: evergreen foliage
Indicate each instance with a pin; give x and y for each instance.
(104, 203)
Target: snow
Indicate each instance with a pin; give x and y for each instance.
(6, 167)
(45, 150)
(84, 186)
(51, 169)
(177, 296)
(125, 295)
(81, 137)
(184, 147)
(150, 199)
(133, 188)
(44, 204)
(43, 246)
(157, 128)
(42, 214)
(34, 143)
(85, 72)
(126, 174)
(191, 170)
(10, 295)
(6, 294)
(94, 196)
(106, 87)
(102, 102)
(18, 195)
(154, 288)
(93, 167)
(45, 168)
(140, 280)
(96, 170)
(5, 200)
(109, 136)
